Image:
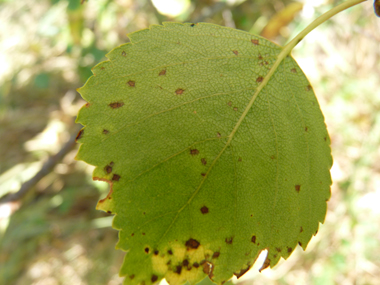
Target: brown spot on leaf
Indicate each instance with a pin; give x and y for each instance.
(278, 249)
(260, 57)
(235, 108)
(185, 263)
(207, 267)
(266, 264)
(116, 177)
(179, 91)
(111, 163)
(204, 210)
(255, 42)
(308, 88)
(235, 52)
(266, 63)
(131, 276)
(116, 105)
(170, 252)
(192, 25)
(123, 53)
(132, 234)
(290, 249)
(316, 233)
(203, 174)
(196, 264)
(154, 278)
(146, 249)
(105, 131)
(108, 169)
(298, 188)
(325, 138)
(300, 244)
(131, 83)
(102, 68)
(253, 239)
(229, 240)
(240, 159)
(109, 212)
(87, 105)
(301, 230)
(306, 128)
(143, 234)
(156, 252)
(192, 244)
(242, 271)
(259, 79)
(178, 269)
(162, 72)
(204, 161)
(229, 103)
(293, 70)
(79, 135)
(194, 151)
(218, 135)
(216, 254)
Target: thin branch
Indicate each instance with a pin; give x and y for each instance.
(46, 169)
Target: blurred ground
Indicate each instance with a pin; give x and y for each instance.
(47, 50)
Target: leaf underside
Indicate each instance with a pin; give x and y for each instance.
(206, 171)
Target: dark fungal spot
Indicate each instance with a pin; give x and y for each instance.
(255, 42)
(109, 212)
(162, 72)
(108, 169)
(278, 249)
(146, 249)
(179, 91)
(143, 234)
(204, 161)
(316, 232)
(229, 103)
(301, 230)
(235, 52)
(116, 105)
(203, 174)
(229, 240)
(132, 234)
(87, 105)
(170, 252)
(116, 177)
(260, 57)
(293, 70)
(192, 25)
(218, 135)
(156, 252)
(275, 255)
(154, 278)
(300, 244)
(111, 163)
(196, 264)
(259, 79)
(192, 244)
(207, 267)
(79, 135)
(240, 159)
(102, 68)
(216, 254)
(253, 239)
(131, 276)
(169, 262)
(123, 53)
(194, 151)
(290, 249)
(178, 269)
(185, 263)
(235, 109)
(265, 264)
(105, 131)
(306, 128)
(298, 188)
(131, 83)
(266, 63)
(325, 138)
(308, 88)
(204, 210)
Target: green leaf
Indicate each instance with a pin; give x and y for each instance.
(215, 149)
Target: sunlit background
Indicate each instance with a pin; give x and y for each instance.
(54, 235)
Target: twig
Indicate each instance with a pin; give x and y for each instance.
(46, 169)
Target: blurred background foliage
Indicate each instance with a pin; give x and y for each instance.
(54, 235)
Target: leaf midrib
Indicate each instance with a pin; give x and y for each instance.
(285, 52)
